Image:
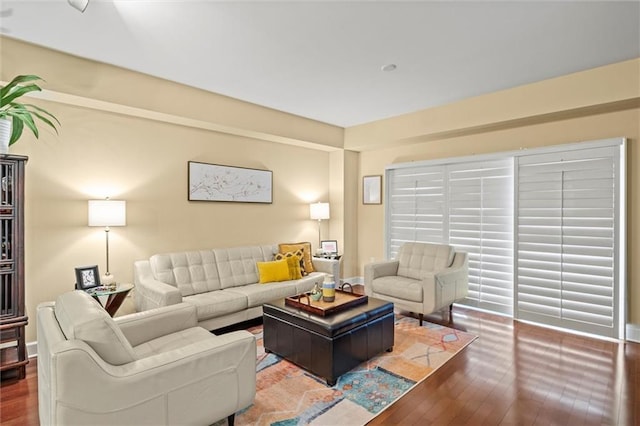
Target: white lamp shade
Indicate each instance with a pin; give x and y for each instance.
(319, 211)
(107, 213)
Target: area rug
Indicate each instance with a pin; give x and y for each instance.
(288, 395)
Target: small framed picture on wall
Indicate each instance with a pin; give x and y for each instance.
(372, 189)
(87, 277)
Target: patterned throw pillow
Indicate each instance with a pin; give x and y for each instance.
(296, 265)
(306, 254)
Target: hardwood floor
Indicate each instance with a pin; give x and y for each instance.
(520, 374)
(513, 374)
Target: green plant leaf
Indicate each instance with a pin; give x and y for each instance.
(13, 83)
(16, 132)
(37, 108)
(19, 91)
(45, 120)
(25, 117)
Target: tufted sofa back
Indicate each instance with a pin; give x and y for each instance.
(238, 265)
(202, 271)
(416, 259)
(191, 272)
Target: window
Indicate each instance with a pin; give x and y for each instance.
(567, 239)
(468, 205)
(543, 229)
(480, 214)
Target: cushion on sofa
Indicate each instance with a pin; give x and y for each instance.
(295, 262)
(191, 272)
(416, 259)
(273, 271)
(258, 294)
(217, 303)
(82, 318)
(306, 253)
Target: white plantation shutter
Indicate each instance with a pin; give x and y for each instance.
(544, 229)
(567, 239)
(481, 224)
(415, 206)
(467, 205)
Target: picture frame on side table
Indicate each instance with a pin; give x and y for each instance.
(329, 246)
(215, 182)
(87, 277)
(372, 189)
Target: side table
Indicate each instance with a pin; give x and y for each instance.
(115, 297)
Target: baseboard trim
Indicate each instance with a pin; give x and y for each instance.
(354, 280)
(32, 349)
(633, 333)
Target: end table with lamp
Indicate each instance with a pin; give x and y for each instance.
(110, 296)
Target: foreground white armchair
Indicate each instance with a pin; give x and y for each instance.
(150, 368)
(425, 278)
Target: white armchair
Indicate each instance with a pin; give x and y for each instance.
(425, 278)
(148, 368)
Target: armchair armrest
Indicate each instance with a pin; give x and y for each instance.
(328, 266)
(189, 373)
(379, 269)
(151, 293)
(456, 276)
(383, 268)
(143, 326)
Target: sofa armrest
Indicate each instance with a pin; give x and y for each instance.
(379, 269)
(328, 266)
(151, 293)
(83, 382)
(143, 326)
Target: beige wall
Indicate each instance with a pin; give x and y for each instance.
(118, 140)
(579, 108)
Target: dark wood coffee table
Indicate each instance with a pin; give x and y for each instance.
(328, 346)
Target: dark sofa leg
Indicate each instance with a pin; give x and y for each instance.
(420, 317)
(231, 419)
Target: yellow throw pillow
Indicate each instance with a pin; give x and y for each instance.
(295, 272)
(275, 271)
(296, 265)
(306, 253)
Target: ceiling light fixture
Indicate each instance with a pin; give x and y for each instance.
(389, 67)
(80, 5)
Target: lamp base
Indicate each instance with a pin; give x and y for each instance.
(108, 280)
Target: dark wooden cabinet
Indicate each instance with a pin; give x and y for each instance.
(13, 318)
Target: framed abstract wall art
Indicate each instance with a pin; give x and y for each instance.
(214, 182)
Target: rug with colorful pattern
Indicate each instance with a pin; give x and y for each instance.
(288, 395)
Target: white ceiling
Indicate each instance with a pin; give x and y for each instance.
(322, 60)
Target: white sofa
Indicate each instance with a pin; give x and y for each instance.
(425, 278)
(149, 368)
(221, 283)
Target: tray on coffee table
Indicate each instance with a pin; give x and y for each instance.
(343, 300)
